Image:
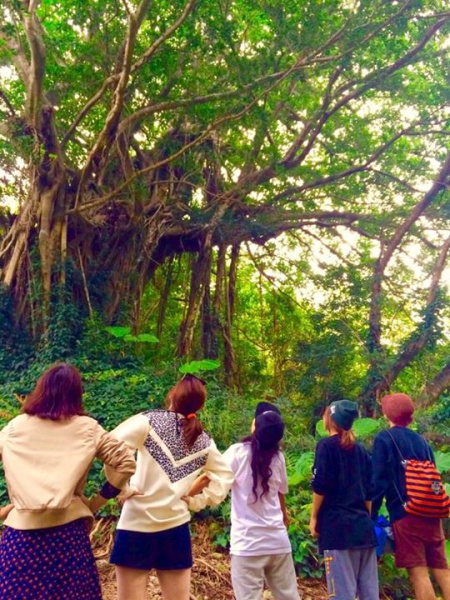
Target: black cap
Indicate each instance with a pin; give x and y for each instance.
(343, 413)
(262, 407)
(269, 428)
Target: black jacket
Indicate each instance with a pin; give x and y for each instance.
(388, 473)
(343, 477)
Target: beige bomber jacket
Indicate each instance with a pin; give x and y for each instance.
(46, 464)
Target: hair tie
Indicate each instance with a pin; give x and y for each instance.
(191, 416)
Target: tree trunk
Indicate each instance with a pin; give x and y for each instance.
(207, 341)
(231, 376)
(199, 278)
(164, 297)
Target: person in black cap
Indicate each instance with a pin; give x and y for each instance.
(259, 546)
(340, 515)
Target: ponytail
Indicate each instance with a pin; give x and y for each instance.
(187, 397)
(346, 437)
(192, 429)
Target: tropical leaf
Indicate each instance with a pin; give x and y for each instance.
(196, 366)
(365, 428)
(302, 469)
(118, 332)
(442, 461)
(146, 338)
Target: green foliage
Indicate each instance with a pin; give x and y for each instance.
(393, 581)
(125, 334)
(15, 343)
(300, 472)
(364, 428)
(197, 366)
(298, 501)
(442, 461)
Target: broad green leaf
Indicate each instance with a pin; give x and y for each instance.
(146, 338)
(442, 461)
(363, 428)
(366, 427)
(302, 469)
(320, 429)
(119, 332)
(196, 366)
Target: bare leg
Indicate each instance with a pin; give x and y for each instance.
(175, 584)
(420, 579)
(442, 577)
(131, 583)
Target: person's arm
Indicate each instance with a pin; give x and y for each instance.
(5, 510)
(282, 487)
(322, 483)
(116, 451)
(282, 499)
(368, 481)
(199, 485)
(317, 501)
(380, 474)
(220, 476)
(3, 435)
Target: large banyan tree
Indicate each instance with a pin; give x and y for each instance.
(135, 131)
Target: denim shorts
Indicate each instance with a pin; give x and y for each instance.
(162, 550)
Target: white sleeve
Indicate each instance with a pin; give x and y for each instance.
(220, 480)
(133, 431)
(230, 456)
(283, 475)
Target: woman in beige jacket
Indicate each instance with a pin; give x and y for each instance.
(47, 452)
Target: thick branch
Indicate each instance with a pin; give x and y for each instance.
(386, 253)
(37, 66)
(107, 135)
(438, 384)
(420, 338)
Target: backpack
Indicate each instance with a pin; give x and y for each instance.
(425, 493)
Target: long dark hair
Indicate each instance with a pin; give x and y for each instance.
(57, 395)
(261, 459)
(187, 397)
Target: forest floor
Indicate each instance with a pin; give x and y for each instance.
(210, 574)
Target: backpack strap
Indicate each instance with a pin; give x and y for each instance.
(427, 446)
(402, 462)
(395, 444)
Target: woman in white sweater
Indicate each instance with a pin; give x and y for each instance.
(153, 530)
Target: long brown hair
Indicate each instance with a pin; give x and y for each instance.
(187, 397)
(57, 395)
(346, 437)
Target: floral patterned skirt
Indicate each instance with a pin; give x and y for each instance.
(48, 564)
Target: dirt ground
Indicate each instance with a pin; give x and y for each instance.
(210, 574)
